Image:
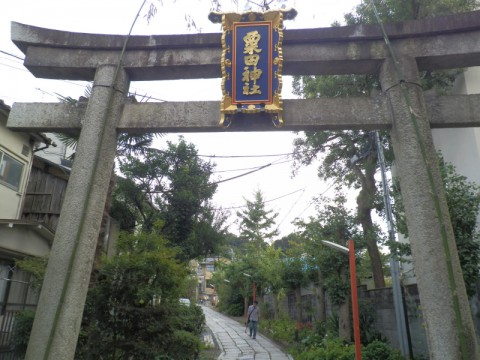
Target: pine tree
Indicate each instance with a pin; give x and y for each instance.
(257, 223)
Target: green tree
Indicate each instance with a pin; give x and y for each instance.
(231, 288)
(295, 277)
(392, 10)
(335, 223)
(133, 309)
(130, 207)
(340, 147)
(284, 242)
(256, 222)
(233, 246)
(463, 199)
(264, 268)
(171, 186)
(209, 233)
(271, 268)
(239, 289)
(171, 190)
(349, 156)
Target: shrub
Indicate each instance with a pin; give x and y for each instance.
(184, 345)
(267, 311)
(332, 324)
(378, 350)
(310, 335)
(191, 319)
(282, 329)
(23, 326)
(235, 309)
(368, 332)
(329, 349)
(232, 304)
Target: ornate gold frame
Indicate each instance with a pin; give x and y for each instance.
(227, 107)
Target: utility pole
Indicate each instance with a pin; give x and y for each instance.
(402, 331)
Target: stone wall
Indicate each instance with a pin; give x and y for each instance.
(379, 303)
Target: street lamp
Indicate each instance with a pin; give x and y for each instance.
(353, 285)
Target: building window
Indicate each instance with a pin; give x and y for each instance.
(10, 171)
(210, 267)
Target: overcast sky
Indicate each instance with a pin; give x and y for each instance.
(291, 198)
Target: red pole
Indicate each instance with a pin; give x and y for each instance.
(353, 285)
(254, 291)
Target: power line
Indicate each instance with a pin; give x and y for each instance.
(70, 82)
(250, 168)
(146, 96)
(265, 202)
(249, 172)
(310, 203)
(12, 55)
(228, 179)
(10, 60)
(14, 67)
(134, 93)
(25, 70)
(243, 156)
(291, 208)
(242, 175)
(284, 155)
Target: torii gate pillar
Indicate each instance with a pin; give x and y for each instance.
(62, 299)
(437, 266)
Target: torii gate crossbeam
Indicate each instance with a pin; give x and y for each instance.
(441, 43)
(368, 113)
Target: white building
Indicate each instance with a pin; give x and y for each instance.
(16, 161)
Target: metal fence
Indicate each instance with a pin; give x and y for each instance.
(7, 331)
(16, 295)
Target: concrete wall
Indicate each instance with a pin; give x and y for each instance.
(380, 303)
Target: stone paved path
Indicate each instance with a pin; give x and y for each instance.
(235, 343)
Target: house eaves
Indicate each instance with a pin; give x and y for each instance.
(25, 238)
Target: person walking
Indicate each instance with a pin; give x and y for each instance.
(252, 320)
(232, 339)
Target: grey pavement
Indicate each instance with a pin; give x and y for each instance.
(234, 342)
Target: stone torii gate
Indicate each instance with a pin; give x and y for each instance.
(440, 43)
